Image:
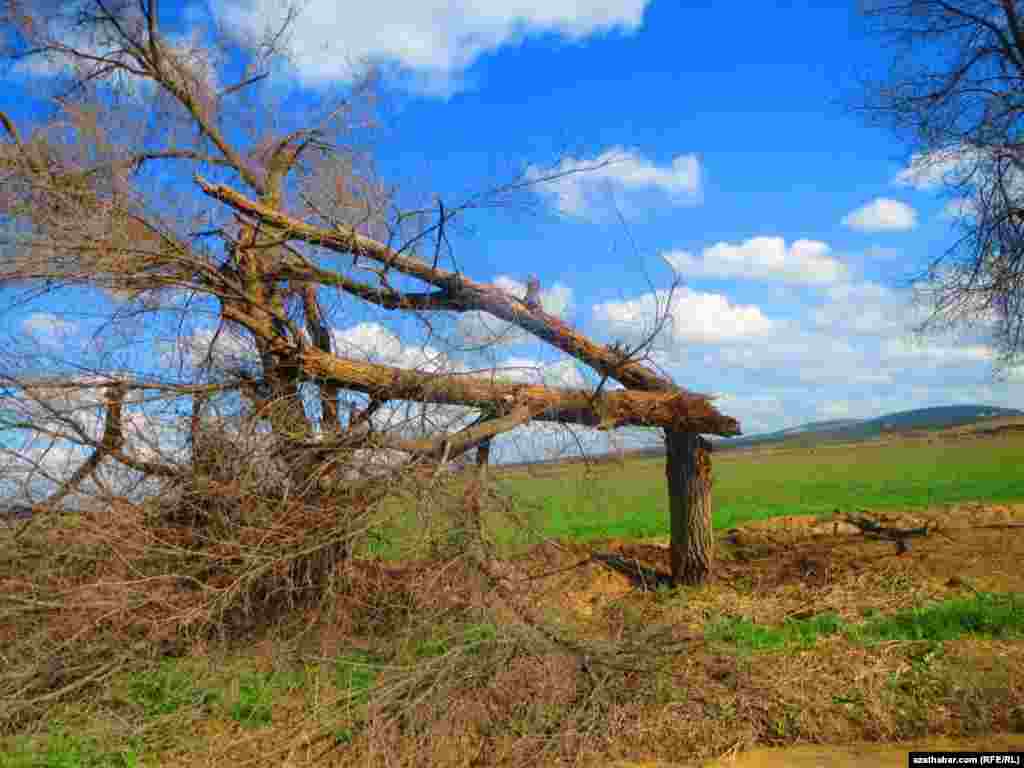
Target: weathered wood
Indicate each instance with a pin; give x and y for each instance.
(688, 471)
(678, 409)
(478, 488)
(457, 293)
(688, 463)
(875, 530)
(872, 529)
(110, 443)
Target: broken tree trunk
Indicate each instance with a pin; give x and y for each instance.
(665, 408)
(456, 292)
(477, 488)
(688, 415)
(688, 470)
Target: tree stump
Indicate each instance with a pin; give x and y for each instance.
(688, 470)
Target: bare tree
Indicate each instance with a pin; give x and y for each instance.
(242, 454)
(143, 129)
(954, 93)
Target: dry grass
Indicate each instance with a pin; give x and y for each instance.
(253, 635)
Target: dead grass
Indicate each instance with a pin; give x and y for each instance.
(452, 657)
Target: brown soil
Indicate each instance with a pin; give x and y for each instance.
(971, 543)
(798, 560)
(849, 756)
(798, 567)
(679, 699)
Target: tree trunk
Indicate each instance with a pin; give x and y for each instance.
(479, 486)
(688, 469)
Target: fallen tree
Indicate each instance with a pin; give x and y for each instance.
(682, 415)
(79, 186)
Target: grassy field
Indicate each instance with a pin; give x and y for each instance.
(888, 650)
(630, 501)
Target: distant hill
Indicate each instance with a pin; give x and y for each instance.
(819, 426)
(853, 430)
(939, 417)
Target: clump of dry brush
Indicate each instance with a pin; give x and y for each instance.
(395, 560)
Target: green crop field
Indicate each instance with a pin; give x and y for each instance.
(630, 500)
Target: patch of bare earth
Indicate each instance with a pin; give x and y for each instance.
(705, 700)
(625, 674)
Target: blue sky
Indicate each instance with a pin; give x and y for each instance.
(792, 225)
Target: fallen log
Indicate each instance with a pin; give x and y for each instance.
(872, 529)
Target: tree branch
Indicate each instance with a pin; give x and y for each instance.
(462, 292)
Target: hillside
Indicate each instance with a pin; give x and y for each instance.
(938, 417)
(847, 430)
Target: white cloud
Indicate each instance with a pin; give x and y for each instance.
(763, 258)
(866, 308)
(881, 253)
(48, 329)
(484, 329)
(56, 409)
(959, 208)
(481, 329)
(621, 173)
(929, 171)
(868, 320)
(375, 343)
(881, 215)
(936, 353)
(92, 40)
(531, 441)
(977, 309)
(555, 300)
(194, 63)
(852, 357)
(755, 412)
(366, 341)
(703, 318)
(809, 358)
(435, 40)
(229, 350)
(959, 167)
(835, 409)
(523, 370)
(189, 61)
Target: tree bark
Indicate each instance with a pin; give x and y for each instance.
(479, 483)
(688, 464)
(688, 470)
(457, 292)
(665, 408)
(319, 332)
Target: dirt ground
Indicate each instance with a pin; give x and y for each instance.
(799, 567)
(975, 544)
(801, 559)
(849, 756)
(669, 693)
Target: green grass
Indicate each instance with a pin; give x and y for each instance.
(984, 614)
(631, 501)
(166, 689)
(747, 637)
(254, 705)
(443, 639)
(356, 672)
(175, 692)
(620, 501)
(65, 749)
